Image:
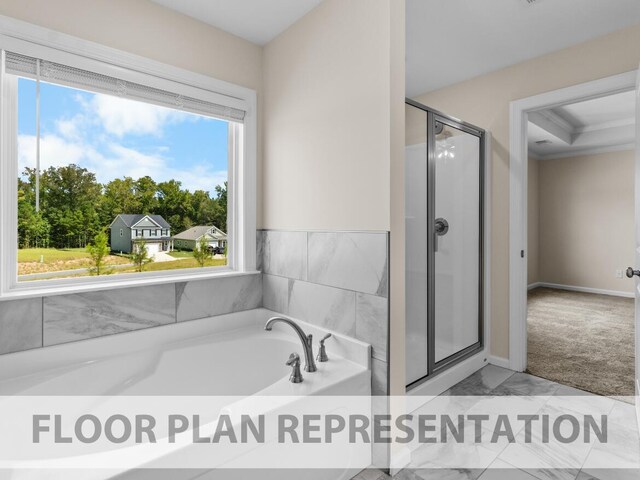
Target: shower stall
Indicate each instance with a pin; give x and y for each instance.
(444, 211)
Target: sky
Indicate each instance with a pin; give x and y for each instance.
(115, 137)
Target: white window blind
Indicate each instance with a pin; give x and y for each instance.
(47, 71)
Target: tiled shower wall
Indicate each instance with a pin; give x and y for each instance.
(45, 321)
(337, 280)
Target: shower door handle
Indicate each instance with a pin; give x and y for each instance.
(441, 229)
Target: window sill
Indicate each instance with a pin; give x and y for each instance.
(93, 284)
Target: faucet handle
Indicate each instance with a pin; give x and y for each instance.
(293, 359)
(294, 362)
(322, 353)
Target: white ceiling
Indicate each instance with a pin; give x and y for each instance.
(258, 21)
(455, 40)
(593, 126)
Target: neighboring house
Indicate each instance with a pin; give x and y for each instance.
(189, 239)
(127, 230)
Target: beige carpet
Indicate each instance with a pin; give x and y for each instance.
(582, 340)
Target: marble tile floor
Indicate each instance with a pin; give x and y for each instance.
(622, 450)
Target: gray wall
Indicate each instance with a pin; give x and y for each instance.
(120, 243)
(337, 280)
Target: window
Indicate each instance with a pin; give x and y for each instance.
(87, 146)
(85, 158)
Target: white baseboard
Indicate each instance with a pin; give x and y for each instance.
(499, 361)
(599, 291)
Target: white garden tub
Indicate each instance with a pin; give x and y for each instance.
(227, 355)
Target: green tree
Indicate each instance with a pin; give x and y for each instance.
(140, 256)
(203, 207)
(175, 205)
(119, 196)
(33, 228)
(99, 250)
(221, 195)
(75, 208)
(27, 184)
(201, 253)
(220, 217)
(146, 194)
(68, 199)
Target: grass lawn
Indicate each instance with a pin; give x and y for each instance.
(160, 266)
(50, 255)
(181, 254)
(55, 260)
(187, 263)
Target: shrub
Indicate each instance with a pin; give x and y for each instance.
(140, 256)
(99, 251)
(201, 253)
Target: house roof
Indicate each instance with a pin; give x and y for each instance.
(131, 219)
(194, 233)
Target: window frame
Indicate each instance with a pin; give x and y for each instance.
(32, 40)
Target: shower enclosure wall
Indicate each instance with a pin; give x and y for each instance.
(444, 202)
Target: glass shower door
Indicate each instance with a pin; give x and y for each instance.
(444, 178)
(456, 253)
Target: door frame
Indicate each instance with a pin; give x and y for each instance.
(518, 191)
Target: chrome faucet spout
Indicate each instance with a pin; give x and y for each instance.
(306, 340)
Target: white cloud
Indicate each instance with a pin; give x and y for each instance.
(115, 161)
(90, 139)
(54, 152)
(70, 128)
(200, 178)
(121, 116)
(135, 164)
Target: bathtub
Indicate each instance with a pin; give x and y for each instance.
(229, 355)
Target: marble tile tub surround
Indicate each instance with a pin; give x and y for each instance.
(95, 314)
(20, 325)
(359, 315)
(218, 296)
(336, 280)
(356, 261)
(32, 323)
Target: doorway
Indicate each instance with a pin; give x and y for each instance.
(571, 311)
(581, 222)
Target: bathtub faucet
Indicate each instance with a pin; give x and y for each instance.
(307, 341)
